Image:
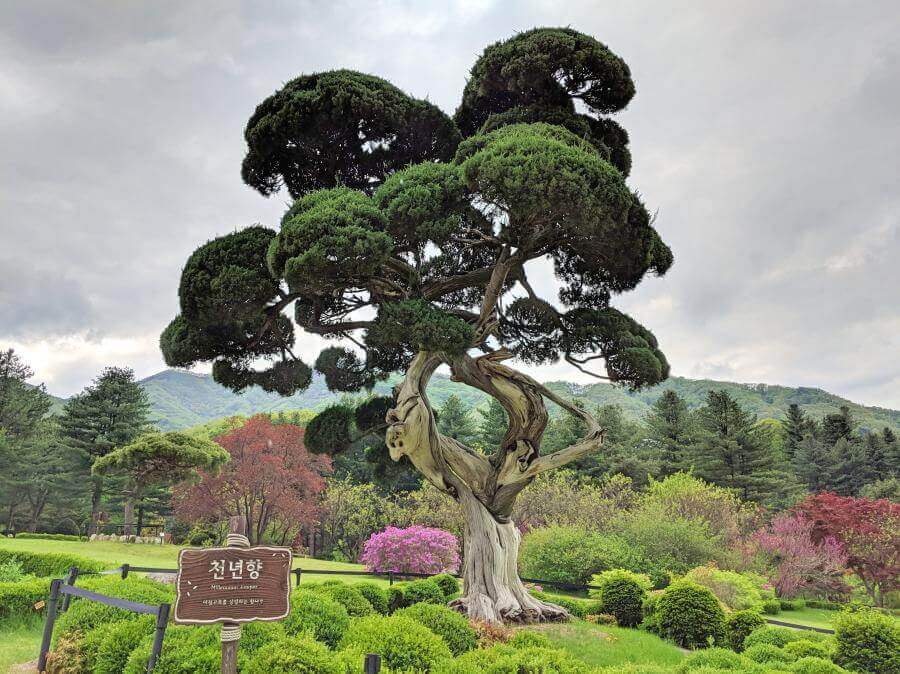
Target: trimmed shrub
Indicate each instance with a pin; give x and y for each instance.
(503, 659)
(52, 537)
(771, 607)
(813, 665)
(186, 649)
(423, 590)
(767, 654)
(19, 598)
(573, 555)
(448, 584)
(735, 590)
(691, 616)
(867, 641)
(452, 627)
(293, 654)
(528, 639)
(317, 613)
(774, 636)
(402, 642)
(792, 604)
(815, 649)
(376, 595)
(414, 549)
(622, 595)
(715, 658)
(118, 641)
(396, 596)
(739, 625)
(577, 607)
(349, 597)
(54, 564)
(824, 603)
(256, 635)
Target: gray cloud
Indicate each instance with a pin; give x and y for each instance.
(765, 134)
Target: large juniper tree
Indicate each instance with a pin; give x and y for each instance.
(410, 237)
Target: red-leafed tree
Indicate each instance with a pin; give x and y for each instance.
(869, 532)
(272, 480)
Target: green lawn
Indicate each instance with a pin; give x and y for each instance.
(20, 641)
(813, 617)
(605, 645)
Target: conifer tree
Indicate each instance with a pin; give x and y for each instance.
(796, 426)
(814, 464)
(455, 421)
(838, 425)
(410, 238)
(670, 427)
(730, 454)
(492, 425)
(109, 413)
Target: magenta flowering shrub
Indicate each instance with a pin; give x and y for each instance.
(803, 566)
(412, 550)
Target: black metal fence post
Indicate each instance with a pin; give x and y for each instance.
(70, 580)
(373, 664)
(125, 568)
(162, 621)
(297, 574)
(48, 626)
(390, 577)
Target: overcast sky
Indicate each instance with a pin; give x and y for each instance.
(767, 135)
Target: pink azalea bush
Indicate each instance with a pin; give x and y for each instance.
(412, 550)
(802, 566)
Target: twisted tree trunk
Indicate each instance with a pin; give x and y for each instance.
(486, 488)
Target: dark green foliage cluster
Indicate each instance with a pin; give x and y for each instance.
(691, 616)
(623, 597)
(424, 590)
(867, 641)
(376, 595)
(740, 624)
(451, 626)
(340, 128)
(449, 584)
(348, 596)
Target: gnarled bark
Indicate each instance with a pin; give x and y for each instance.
(486, 488)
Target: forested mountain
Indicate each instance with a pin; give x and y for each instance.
(180, 399)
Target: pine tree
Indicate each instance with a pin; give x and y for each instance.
(109, 413)
(838, 425)
(850, 470)
(492, 426)
(731, 454)
(891, 451)
(796, 426)
(814, 464)
(670, 427)
(455, 421)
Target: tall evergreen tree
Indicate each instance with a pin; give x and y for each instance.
(850, 467)
(455, 421)
(109, 413)
(814, 464)
(492, 426)
(729, 453)
(838, 425)
(891, 451)
(796, 426)
(670, 427)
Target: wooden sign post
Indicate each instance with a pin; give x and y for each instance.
(232, 585)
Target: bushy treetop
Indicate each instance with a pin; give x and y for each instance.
(402, 238)
(155, 457)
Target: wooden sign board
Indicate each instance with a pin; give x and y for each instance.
(233, 585)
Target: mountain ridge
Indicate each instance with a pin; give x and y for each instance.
(180, 399)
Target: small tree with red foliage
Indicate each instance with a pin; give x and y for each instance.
(869, 532)
(802, 565)
(271, 479)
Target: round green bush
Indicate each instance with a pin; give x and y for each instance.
(691, 616)
(740, 624)
(185, 649)
(622, 595)
(771, 606)
(867, 641)
(424, 590)
(767, 654)
(293, 654)
(813, 665)
(573, 555)
(448, 584)
(315, 612)
(815, 649)
(403, 643)
(396, 596)
(350, 597)
(717, 658)
(452, 627)
(376, 595)
(118, 641)
(256, 635)
(774, 636)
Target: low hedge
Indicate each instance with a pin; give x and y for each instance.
(53, 564)
(53, 537)
(19, 598)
